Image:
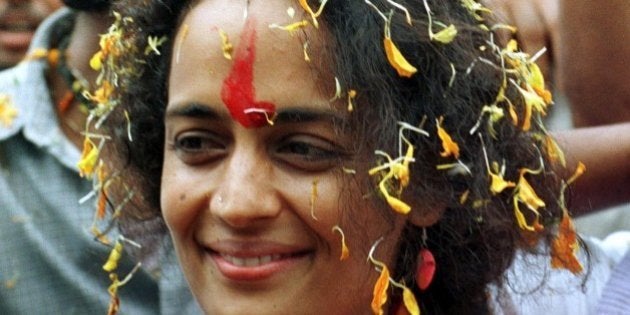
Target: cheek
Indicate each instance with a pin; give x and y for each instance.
(176, 197)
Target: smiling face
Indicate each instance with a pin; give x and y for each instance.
(18, 21)
(237, 193)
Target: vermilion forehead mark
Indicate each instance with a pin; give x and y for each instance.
(238, 88)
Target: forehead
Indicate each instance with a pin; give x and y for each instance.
(279, 60)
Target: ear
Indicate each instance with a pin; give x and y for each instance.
(425, 216)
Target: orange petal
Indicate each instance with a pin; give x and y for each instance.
(564, 247)
(449, 146)
(345, 252)
(380, 291)
(397, 60)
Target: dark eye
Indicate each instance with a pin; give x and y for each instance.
(197, 147)
(309, 153)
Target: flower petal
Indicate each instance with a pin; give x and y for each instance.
(397, 60)
(380, 291)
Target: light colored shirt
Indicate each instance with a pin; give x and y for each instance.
(49, 260)
(533, 287)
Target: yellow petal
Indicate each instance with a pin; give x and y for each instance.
(398, 205)
(8, 113)
(449, 146)
(554, 151)
(114, 257)
(380, 291)
(520, 218)
(498, 184)
(96, 62)
(89, 157)
(291, 27)
(410, 302)
(527, 195)
(226, 46)
(581, 168)
(397, 60)
(351, 95)
(446, 35)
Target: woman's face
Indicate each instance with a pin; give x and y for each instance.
(237, 200)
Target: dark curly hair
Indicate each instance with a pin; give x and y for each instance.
(475, 240)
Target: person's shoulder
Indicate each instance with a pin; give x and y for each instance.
(613, 247)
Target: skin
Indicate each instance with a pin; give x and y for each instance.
(587, 52)
(231, 193)
(18, 21)
(594, 60)
(537, 28)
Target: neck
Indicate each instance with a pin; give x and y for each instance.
(84, 42)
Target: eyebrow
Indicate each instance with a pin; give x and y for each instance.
(194, 110)
(283, 116)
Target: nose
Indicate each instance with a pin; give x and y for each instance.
(246, 195)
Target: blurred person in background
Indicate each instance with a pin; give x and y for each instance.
(51, 262)
(18, 21)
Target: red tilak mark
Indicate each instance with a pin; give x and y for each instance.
(238, 88)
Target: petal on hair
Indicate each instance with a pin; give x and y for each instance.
(397, 204)
(446, 35)
(410, 302)
(89, 157)
(498, 184)
(380, 291)
(554, 151)
(397, 60)
(564, 247)
(114, 257)
(527, 195)
(449, 146)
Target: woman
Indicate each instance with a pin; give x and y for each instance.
(287, 143)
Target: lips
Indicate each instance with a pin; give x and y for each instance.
(255, 261)
(16, 31)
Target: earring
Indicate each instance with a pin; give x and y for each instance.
(426, 265)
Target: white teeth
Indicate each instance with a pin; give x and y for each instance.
(251, 261)
(265, 259)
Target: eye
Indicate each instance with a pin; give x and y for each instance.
(309, 153)
(196, 147)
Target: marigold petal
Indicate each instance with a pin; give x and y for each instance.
(114, 257)
(410, 302)
(446, 35)
(564, 247)
(226, 46)
(89, 158)
(554, 151)
(398, 205)
(8, 113)
(380, 291)
(96, 62)
(397, 60)
(498, 184)
(527, 195)
(449, 146)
